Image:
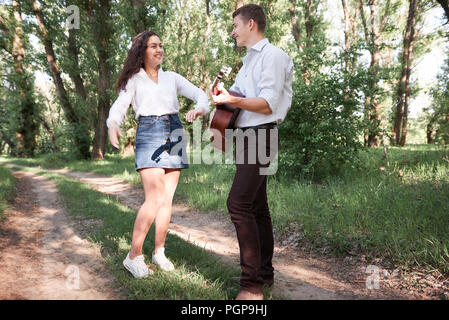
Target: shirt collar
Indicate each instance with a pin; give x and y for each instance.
(143, 72)
(255, 48)
(259, 45)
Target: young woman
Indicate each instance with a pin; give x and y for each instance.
(152, 93)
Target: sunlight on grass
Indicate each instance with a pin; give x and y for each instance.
(124, 244)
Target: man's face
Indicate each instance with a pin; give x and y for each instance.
(241, 31)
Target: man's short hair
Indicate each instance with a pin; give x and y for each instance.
(252, 11)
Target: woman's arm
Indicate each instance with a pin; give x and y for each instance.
(190, 91)
(118, 111)
(121, 104)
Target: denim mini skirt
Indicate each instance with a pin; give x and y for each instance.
(160, 143)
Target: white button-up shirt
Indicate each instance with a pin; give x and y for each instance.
(267, 72)
(149, 98)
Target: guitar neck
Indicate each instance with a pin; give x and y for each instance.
(224, 71)
(216, 82)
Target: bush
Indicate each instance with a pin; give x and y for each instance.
(319, 134)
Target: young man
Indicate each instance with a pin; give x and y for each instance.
(265, 80)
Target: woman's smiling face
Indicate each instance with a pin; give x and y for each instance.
(154, 51)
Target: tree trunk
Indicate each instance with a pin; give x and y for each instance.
(204, 74)
(308, 23)
(354, 40)
(406, 104)
(101, 29)
(296, 30)
(367, 97)
(75, 73)
(348, 22)
(430, 132)
(374, 75)
(28, 128)
(81, 136)
(139, 16)
(295, 27)
(346, 32)
(403, 89)
(308, 17)
(371, 113)
(163, 16)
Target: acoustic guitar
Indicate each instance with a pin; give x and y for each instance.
(225, 114)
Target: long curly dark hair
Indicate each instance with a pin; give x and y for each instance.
(135, 59)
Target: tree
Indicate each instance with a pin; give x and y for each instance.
(311, 20)
(438, 121)
(99, 16)
(413, 46)
(347, 20)
(372, 97)
(403, 89)
(26, 125)
(74, 69)
(80, 134)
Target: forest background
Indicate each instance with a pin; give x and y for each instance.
(364, 157)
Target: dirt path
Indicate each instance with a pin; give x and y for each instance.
(42, 252)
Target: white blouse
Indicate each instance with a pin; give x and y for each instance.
(149, 98)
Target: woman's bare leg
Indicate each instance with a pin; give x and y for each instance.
(163, 216)
(154, 187)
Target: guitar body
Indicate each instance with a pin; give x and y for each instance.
(224, 118)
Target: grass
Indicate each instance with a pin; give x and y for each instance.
(7, 189)
(399, 213)
(198, 274)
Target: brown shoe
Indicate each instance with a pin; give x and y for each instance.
(246, 295)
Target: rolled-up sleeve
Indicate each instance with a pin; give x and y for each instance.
(185, 88)
(272, 80)
(121, 104)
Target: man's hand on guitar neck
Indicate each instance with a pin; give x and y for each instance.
(223, 97)
(259, 105)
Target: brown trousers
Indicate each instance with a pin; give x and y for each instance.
(248, 207)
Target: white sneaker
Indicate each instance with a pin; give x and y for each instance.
(137, 266)
(161, 260)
